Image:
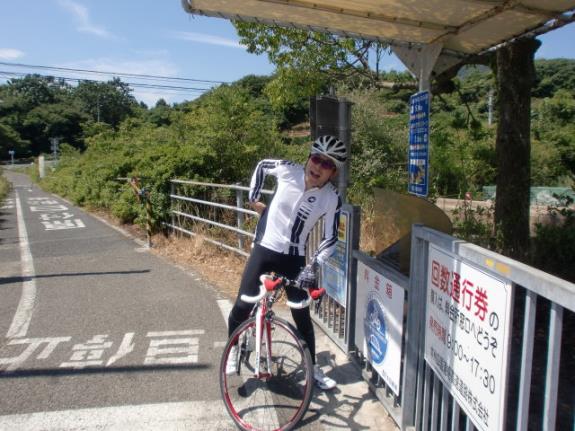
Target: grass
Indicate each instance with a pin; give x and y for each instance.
(4, 187)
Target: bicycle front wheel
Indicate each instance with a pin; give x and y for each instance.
(276, 397)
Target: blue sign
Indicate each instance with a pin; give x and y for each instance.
(375, 330)
(334, 271)
(418, 143)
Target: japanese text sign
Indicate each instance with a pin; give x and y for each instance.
(467, 332)
(379, 323)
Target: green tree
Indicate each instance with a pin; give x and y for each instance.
(109, 102)
(10, 141)
(308, 62)
(232, 132)
(35, 90)
(56, 120)
(553, 75)
(38, 108)
(515, 79)
(159, 114)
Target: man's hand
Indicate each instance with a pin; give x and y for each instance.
(258, 206)
(307, 278)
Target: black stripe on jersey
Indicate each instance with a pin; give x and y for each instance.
(297, 228)
(334, 232)
(261, 226)
(260, 178)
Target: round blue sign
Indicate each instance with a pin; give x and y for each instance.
(375, 331)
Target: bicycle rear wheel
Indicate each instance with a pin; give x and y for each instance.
(276, 400)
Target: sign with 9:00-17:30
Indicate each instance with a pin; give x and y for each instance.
(467, 333)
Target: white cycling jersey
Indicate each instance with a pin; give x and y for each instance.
(293, 211)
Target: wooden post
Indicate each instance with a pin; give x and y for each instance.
(240, 216)
(143, 197)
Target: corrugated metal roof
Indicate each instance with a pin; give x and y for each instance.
(461, 26)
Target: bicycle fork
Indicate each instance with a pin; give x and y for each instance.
(263, 334)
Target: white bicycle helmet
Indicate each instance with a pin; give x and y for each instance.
(331, 147)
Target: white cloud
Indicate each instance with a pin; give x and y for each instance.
(82, 18)
(10, 54)
(207, 39)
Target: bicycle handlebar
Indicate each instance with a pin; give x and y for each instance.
(270, 283)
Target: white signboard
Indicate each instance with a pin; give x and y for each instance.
(467, 336)
(379, 323)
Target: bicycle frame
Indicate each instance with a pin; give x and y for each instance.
(263, 331)
(274, 388)
(263, 304)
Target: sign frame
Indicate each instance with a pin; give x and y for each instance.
(379, 323)
(334, 272)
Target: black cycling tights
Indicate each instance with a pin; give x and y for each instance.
(263, 260)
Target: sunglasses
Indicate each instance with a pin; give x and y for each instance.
(324, 163)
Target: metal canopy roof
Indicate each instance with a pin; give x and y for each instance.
(461, 27)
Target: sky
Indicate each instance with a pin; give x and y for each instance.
(148, 37)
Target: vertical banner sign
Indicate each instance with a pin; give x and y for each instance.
(334, 271)
(379, 323)
(467, 333)
(418, 143)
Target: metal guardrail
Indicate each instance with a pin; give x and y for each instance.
(182, 220)
(332, 317)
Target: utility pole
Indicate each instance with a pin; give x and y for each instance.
(55, 142)
(490, 107)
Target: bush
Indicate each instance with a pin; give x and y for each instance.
(4, 187)
(553, 247)
(219, 139)
(474, 225)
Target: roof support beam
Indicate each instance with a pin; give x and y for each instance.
(420, 61)
(362, 14)
(518, 7)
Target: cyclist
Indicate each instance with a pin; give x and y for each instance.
(304, 194)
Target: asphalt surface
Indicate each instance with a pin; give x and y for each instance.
(97, 333)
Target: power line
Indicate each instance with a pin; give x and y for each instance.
(119, 74)
(171, 88)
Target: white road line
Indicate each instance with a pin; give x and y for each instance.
(23, 315)
(225, 307)
(192, 415)
(175, 333)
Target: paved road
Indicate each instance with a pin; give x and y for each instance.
(97, 333)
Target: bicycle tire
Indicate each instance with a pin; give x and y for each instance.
(275, 403)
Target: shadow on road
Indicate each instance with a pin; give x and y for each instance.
(42, 372)
(9, 280)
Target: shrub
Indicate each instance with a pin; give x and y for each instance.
(474, 225)
(553, 247)
(4, 187)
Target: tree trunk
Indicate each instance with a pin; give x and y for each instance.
(515, 78)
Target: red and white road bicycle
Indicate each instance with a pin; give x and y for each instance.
(272, 386)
